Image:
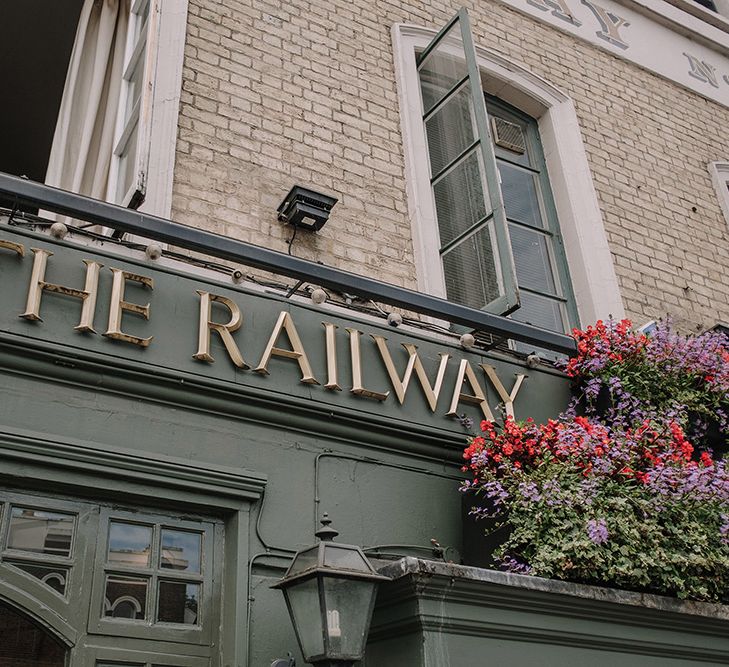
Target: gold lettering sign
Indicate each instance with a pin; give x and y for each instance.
(507, 398)
(356, 356)
(332, 368)
(223, 330)
(414, 363)
(117, 306)
(38, 284)
(297, 352)
(467, 387)
(465, 372)
(18, 248)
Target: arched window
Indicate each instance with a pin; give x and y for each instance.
(24, 643)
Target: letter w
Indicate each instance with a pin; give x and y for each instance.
(414, 364)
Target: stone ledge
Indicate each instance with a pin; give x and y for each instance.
(425, 568)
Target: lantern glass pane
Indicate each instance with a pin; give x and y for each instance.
(303, 600)
(348, 603)
(304, 560)
(345, 558)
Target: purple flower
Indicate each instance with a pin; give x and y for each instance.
(510, 564)
(466, 422)
(724, 529)
(530, 492)
(597, 531)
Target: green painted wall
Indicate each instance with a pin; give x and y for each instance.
(386, 473)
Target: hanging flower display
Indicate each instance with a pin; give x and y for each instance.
(626, 494)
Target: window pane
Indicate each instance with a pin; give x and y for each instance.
(540, 311)
(460, 200)
(442, 70)
(519, 189)
(140, 25)
(127, 163)
(180, 550)
(531, 256)
(41, 532)
(135, 87)
(129, 544)
(126, 597)
(178, 602)
(53, 577)
(450, 130)
(470, 271)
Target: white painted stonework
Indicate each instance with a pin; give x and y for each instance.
(700, 64)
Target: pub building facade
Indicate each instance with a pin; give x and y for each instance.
(386, 217)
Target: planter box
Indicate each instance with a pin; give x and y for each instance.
(441, 615)
(480, 537)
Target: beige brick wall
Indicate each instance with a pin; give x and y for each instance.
(304, 92)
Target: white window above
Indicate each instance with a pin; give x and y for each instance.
(130, 156)
(108, 79)
(720, 177)
(507, 191)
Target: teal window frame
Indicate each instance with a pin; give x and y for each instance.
(562, 293)
(510, 299)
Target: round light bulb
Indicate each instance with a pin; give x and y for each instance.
(394, 319)
(153, 251)
(467, 340)
(59, 230)
(318, 295)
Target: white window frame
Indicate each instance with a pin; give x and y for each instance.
(595, 283)
(720, 178)
(159, 106)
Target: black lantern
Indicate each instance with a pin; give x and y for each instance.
(330, 593)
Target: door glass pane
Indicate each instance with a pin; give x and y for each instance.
(180, 550)
(460, 200)
(450, 130)
(39, 531)
(442, 68)
(470, 271)
(53, 577)
(129, 544)
(531, 256)
(24, 644)
(519, 189)
(178, 602)
(126, 597)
